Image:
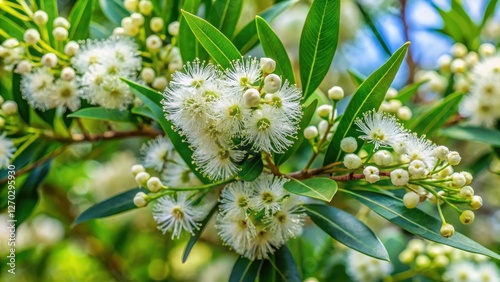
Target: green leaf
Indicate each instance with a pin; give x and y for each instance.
(245, 270)
(117, 204)
(114, 10)
(356, 78)
(10, 29)
(306, 118)
(214, 42)
(318, 43)
(488, 12)
(370, 22)
(438, 115)
(320, 188)
(224, 15)
(370, 95)
(472, 133)
(405, 94)
(103, 114)
(197, 233)
(416, 221)
(152, 100)
(22, 104)
(274, 49)
(79, 18)
(188, 45)
(347, 229)
(251, 169)
(50, 7)
(286, 265)
(98, 31)
(246, 39)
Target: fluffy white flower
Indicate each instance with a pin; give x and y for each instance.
(178, 174)
(37, 88)
(7, 150)
(156, 153)
(108, 91)
(462, 271)
(420, 149)
(174, 213)
(220, 163)
(288, 100)
(196, 74)
(262, 244)
(243, 74)
(66, 94)
(235, 200)
(380, 129)
(269, 193)
(288, 221)
(235, 232)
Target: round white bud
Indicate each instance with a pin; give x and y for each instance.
(417, 169)
(141, 199)
(422, 262)
(311, 132)
(118, 31)
(153, 43)
(272, 83)
(441, 261)
(391, 93)
(61, 22)
(411, 200)
(145, 7)
(441, 152)
(31, 36)
(148, 74)
(9, 107)
(324, 111)
(487, 49)
(468, 177)
(371, 174)
(444, 62)
(40, 18)
(336, 93)
(382, 158)
(399, 177)
(395, 105)
(476, 202)
(404, 113)
(173, 28)
(127, 22)
(130, 5)
(131, 31)
(68, 73)
(23, 67)
(467, 217)
(142, 178)
(457, 180)
(156, 24)
(348, 144)
(322, 127)
(137, 19)
(447, 230)
(154, 184)
(251, 98)
(135, 169)
(160, 83)
(60, 33)
(458, 50)
(454, 158)
(466, 192)
(471, 59)
(352, 161)
(49, 60)
(267, 65)
(406, 256)
(10, 43)
(71, 48)
(458, 66)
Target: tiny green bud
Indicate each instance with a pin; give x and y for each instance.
(422, 261)
(411, 200)
(476, 202)
(467, 217)
(447, 230)
(145, 7)
(466, 192)
(348, 144)
(156, 24)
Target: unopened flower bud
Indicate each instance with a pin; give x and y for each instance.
(145, 7)
(142, 178)
(160, 83)
(61, 22)
(458, 66)
(136, 169)
(137, 19)
(352, 161)
(471, 59)
(476, 202)
(49, 60)
(9, 107)
(31, 36)
(141, 199)
(441, 261)
(130, 5)
(324, 111)
(60, 33)
(71, 48)
(467, 217)
(322, 127)
(391, 93)
(399, 177)
(466, 192)
(127, 22)
(417, 169)
(251, 98)
(404, 113)
(336, 93)
(348, 144)
(411, 200)
(457, 180)
(173, 28)
(422, 262)
(23, 67)
(153, 43)
(311, 132)
(382, 158)
(486, 49)
(119, 31)
(267, 65)
(458, 50)
(371, 174)
(154, 184)
(454, 158)
(406, 256)
(441, 152)
(447, 230)
(40, 18)
(148, 74)
(156, 24)
(468, 177)
(272, 83)
(444, 62)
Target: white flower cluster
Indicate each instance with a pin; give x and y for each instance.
(224, 114)
(11, 53)
(258, 217)
(362, 268)
(100, 64)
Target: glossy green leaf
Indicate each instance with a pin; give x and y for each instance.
(370, 22)
(369, 96)
(224, 15)
(79, 18)
(320, 188)
(306, 119)
(274, 49)
(117, 204)
(488, 12)
(438, 115)
(286, 265)
(114, 10)
(245, 270)
(246, 39)
(406, 93)
(98, 31)
(10, 29)
(356, 78)
(189, 47)
(103, 114)
(143, 111)
(152, 100)
(251, 169)
(197, 233)
(347, 229)
(215, 43)
(472, 133)
(416, 221)
(318, 43)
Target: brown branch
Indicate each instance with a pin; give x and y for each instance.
(274, 169)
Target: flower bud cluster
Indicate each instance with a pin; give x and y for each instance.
(394, 106)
